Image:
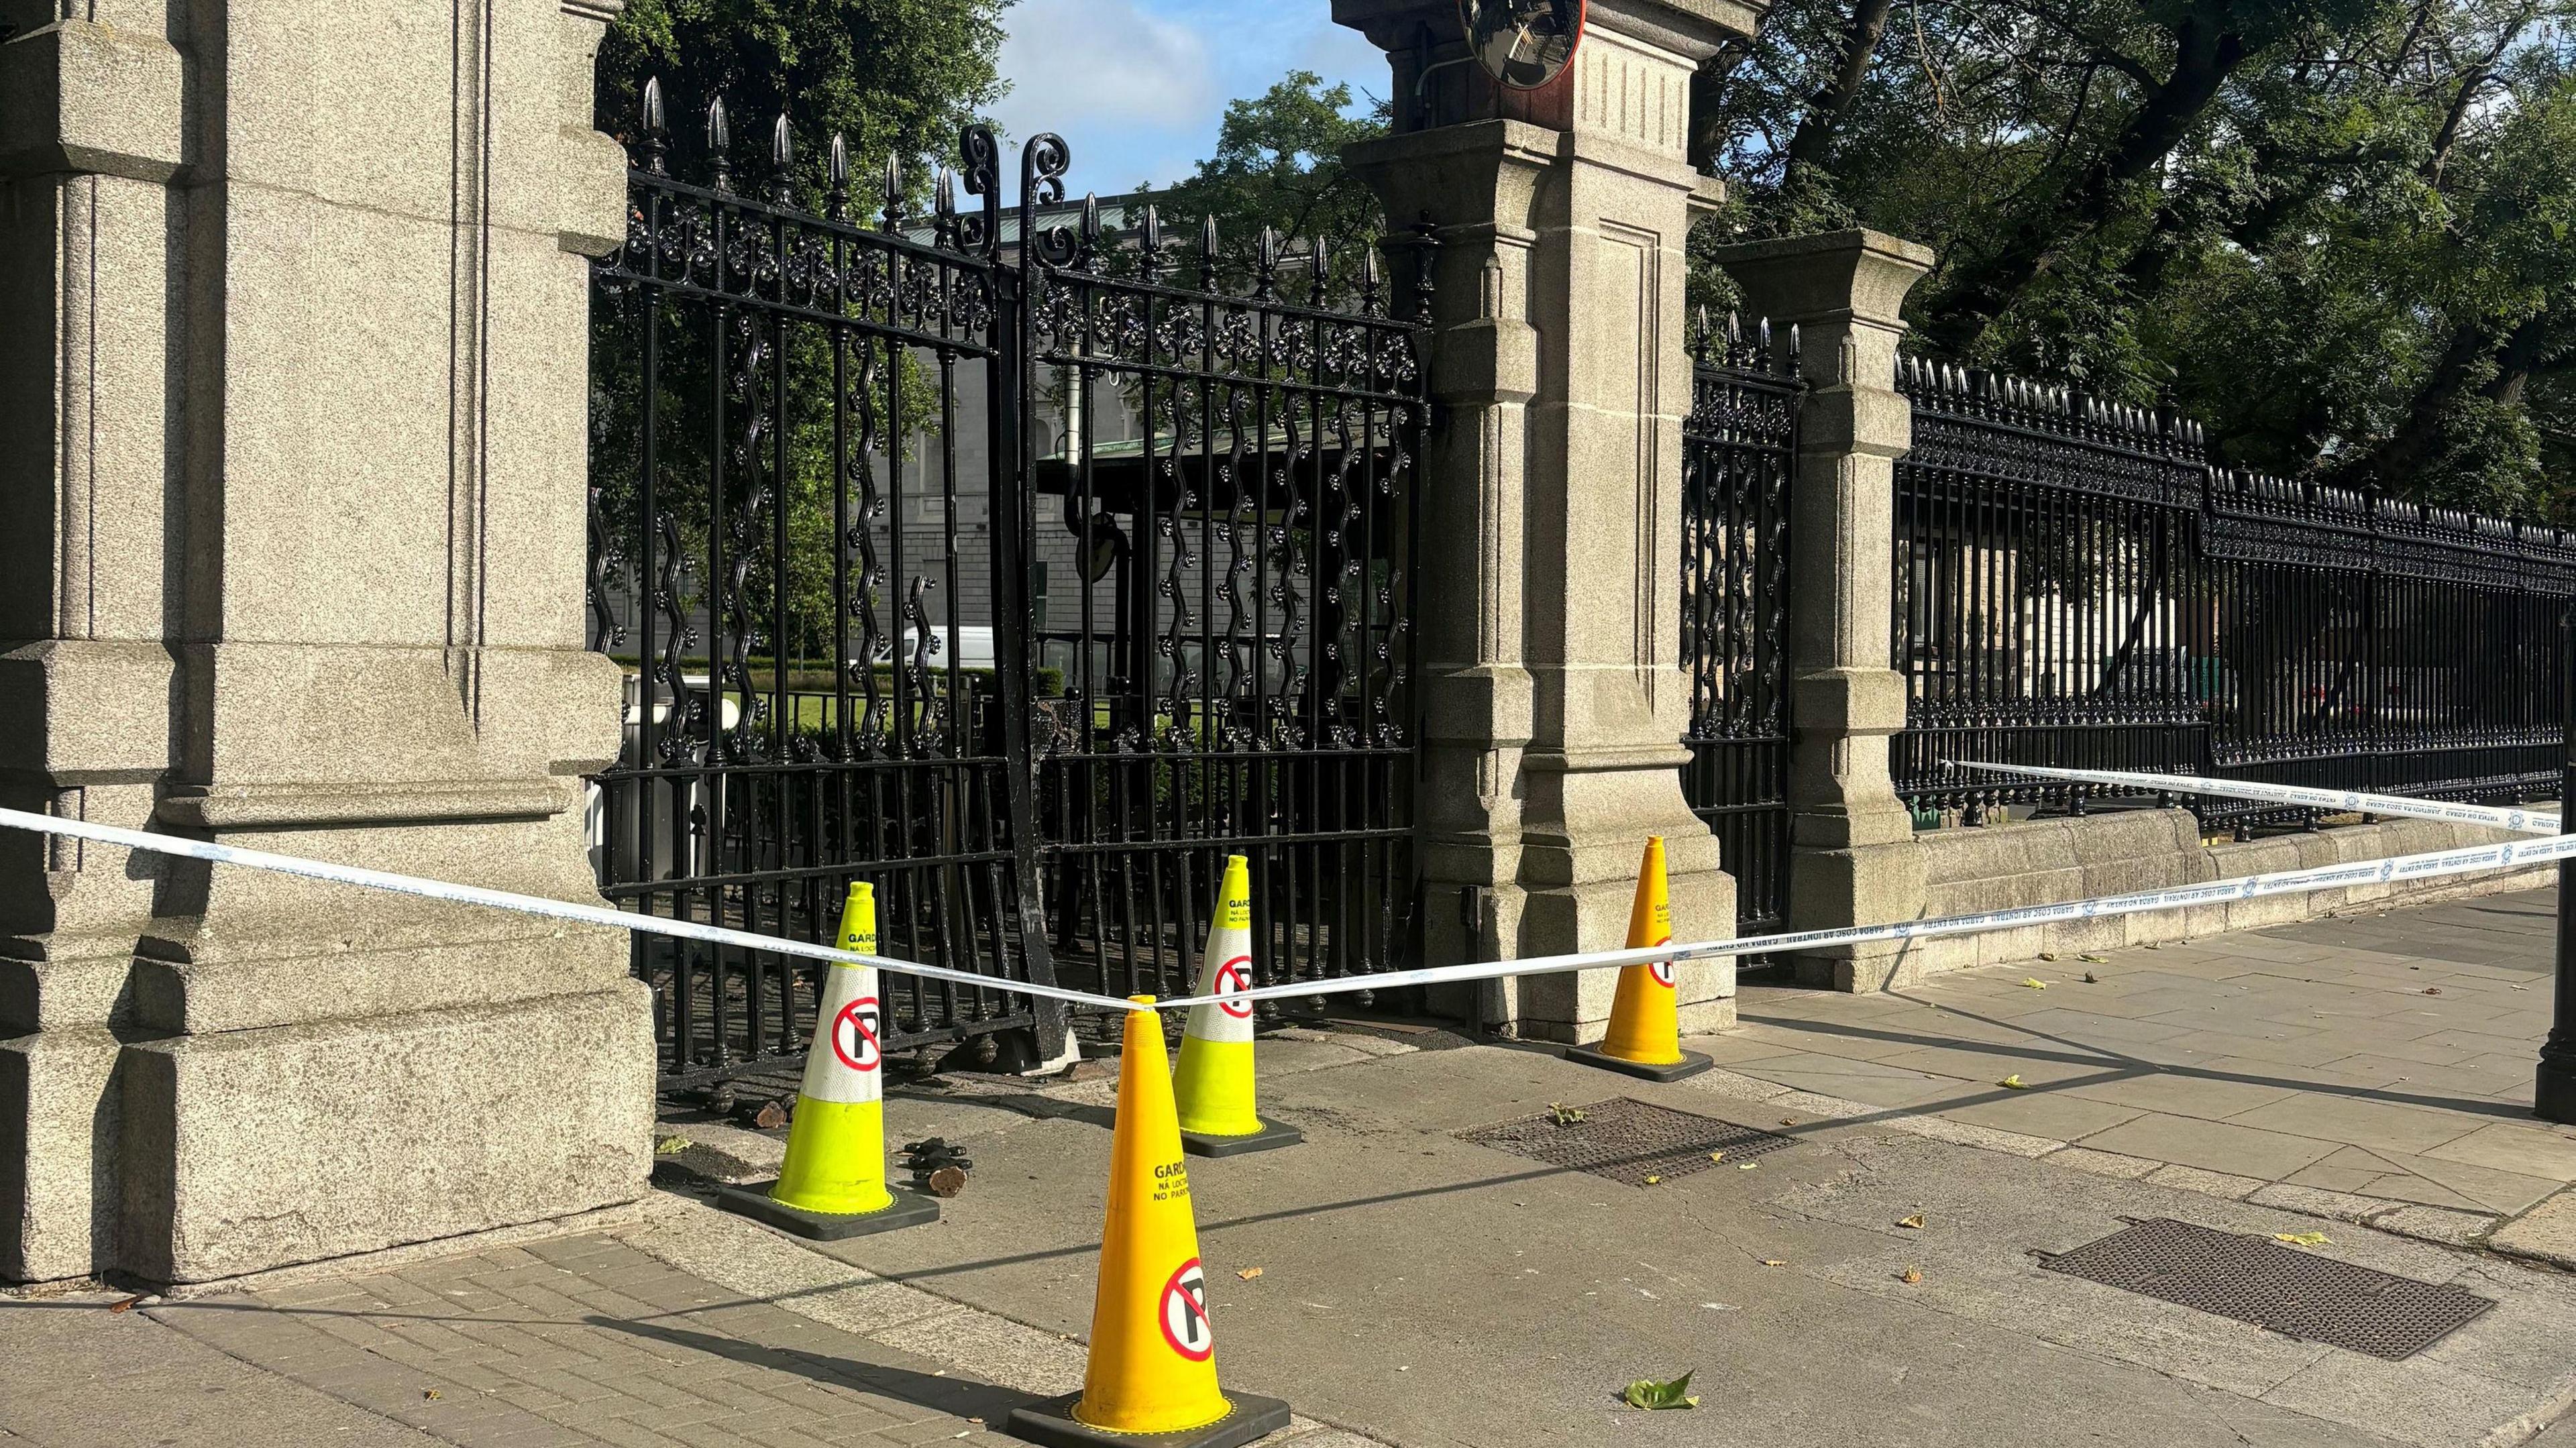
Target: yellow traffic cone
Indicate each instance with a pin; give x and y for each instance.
(833, 1181)
(1151, 1377)
(1213, 1082)
(1645, 1036)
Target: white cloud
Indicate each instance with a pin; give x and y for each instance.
(1077, 65)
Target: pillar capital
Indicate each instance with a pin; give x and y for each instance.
(1858, 276)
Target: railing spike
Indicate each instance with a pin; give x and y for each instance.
(720, 143)
(1207, 252)
(894, 193)
(656, 139)
(837, 192)
(1318, 263)
(1150, 239)
(1790, 368)
(782, 160)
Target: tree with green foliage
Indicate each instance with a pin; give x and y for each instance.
(2335, 230)
(1278, 164)
(892, 78)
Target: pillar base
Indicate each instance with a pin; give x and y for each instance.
(1270, 1137)
(251, 1149)
(1052, 1423)
(1691, 1064)
(2554, 1091)
(908, 1209)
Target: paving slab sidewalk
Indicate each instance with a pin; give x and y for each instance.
(2372, 1067)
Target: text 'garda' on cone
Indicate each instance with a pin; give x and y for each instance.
(1153, 1352)
(1213, 1084)
(1645, 1016)
(836, 1141)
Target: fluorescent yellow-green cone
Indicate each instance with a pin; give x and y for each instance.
(836, 1143)
(1213, 1081)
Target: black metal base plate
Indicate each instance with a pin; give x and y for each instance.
(910, 1209)
(1271, 1136)
(1691, 1064)
(1052, 1423)
(2554, 1089)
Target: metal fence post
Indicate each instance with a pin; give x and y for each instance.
(2554, 1092)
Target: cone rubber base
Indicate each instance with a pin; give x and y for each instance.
(1271, 1136)
(910, 1209)
(1691, 1064)
(1052, 1423)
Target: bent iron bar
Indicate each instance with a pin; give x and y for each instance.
(818, 442)
(2079, 587)
(1739, 447)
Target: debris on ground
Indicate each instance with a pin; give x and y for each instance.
(129, 1304)
(2014, 1082)
(1915, 1221)
(2034, 982)
(1773, 1262)
(1652, 1179)
(1717, 1156)
(1648, 1394)
(770, 1116)
(1910, 1276)
(2094, 959)
(1248, 1273)
(2091, 979)
(937, 1167)
(2302, 1239)
(1565, 1115)
(671, 1145)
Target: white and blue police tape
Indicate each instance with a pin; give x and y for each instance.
(525, 904)
(2432, 864)
(2429, 865)
(2521, 821)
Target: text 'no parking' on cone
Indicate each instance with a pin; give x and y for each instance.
(1150, 1381)
(833, 1181)
(1645, 1036)
(1213, 1082)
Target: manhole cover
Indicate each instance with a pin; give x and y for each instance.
(2294, 1293)
(1627, 1141)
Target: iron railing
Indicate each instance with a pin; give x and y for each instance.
(2077, 586)
(1739, 447)
(837, 462)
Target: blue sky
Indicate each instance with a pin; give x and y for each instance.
(1137, 86)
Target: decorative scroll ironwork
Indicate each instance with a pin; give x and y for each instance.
(2078, 586)
(1234, 467)
(957, 549)
(1739, 447)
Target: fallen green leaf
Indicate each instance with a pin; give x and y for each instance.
(1649, 1394)
(2034, 982)
(2302, 1239)
(670, 1144)
(2014, 1082)
(1565, 1115)
(2095, 959)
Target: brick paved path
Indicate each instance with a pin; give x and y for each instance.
(583, 1340)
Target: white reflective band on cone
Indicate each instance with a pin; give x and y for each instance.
(524, 904)
(1223, 1012)
(848, 1062)
(2529, 822)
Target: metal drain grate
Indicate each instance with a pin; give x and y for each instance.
(2294, 1293)
(1627, 1141)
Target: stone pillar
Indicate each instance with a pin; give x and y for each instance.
(1853, 858)
(1550, 561)
(292, 481)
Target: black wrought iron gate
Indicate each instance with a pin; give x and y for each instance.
(1739, 444)
(1007, 560)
